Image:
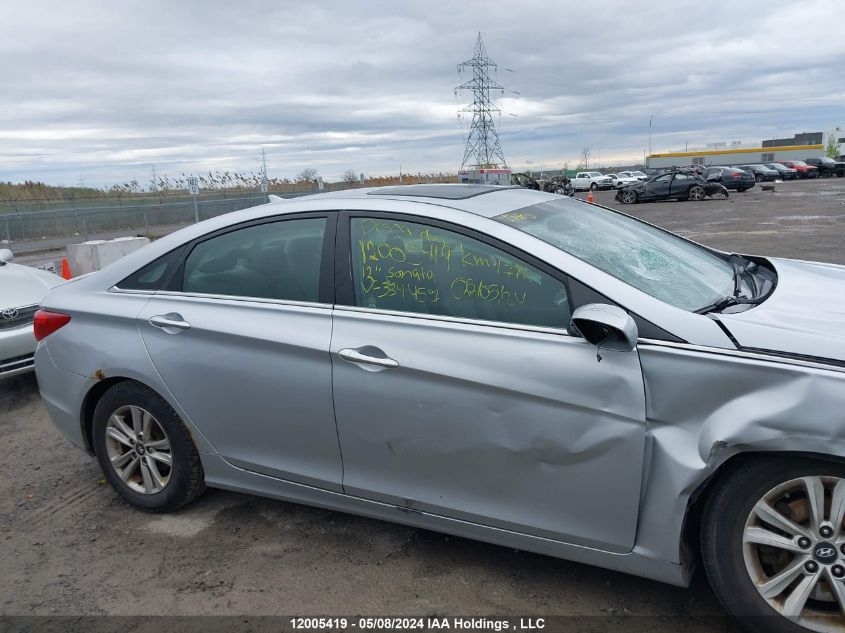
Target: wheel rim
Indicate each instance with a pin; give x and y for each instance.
(139, 449)
(793, 547)
(627, 197)
(696, 193)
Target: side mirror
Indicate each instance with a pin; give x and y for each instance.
(6, 255)
(605, 326)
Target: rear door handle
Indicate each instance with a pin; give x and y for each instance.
(169, 321)
(355, 356)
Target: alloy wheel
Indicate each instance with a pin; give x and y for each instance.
(794, 551)
(696, 193)
(628, 197)
(139, 449)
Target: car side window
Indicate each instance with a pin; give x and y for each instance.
(663, 178)
(154, 275)
(275, 260)
(411, 267)
(680, 176)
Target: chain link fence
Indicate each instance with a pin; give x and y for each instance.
(23, 221)
(56, 222)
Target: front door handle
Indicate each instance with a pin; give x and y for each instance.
(169, 321)
(356, 356)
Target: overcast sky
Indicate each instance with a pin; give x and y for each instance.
(101, 91)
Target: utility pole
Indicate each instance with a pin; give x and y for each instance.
(483, 145)
(155, 179)
(265, 184)
(649, 133)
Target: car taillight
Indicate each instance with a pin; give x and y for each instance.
(737, 176)
(45, 323)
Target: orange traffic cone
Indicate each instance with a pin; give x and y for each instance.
(66, 269)
(590, 196)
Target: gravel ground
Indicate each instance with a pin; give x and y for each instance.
(70, 547)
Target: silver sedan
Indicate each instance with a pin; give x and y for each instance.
(498, 363)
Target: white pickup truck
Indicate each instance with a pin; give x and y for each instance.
(591, 180)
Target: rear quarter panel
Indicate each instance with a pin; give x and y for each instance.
(102, 341)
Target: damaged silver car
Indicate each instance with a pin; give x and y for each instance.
(502, 364)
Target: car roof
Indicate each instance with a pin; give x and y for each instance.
(484, 200)
(439, 191)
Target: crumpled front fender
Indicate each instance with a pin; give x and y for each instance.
(705, 406)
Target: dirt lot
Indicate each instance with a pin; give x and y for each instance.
(69, 546)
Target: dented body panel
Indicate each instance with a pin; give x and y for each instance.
(805, 315)
(705, 406)
(493, 425)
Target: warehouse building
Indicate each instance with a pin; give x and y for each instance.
(799, 147)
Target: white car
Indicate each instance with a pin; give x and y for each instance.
(638, 175)
(621, 179)
(593, 180)
(21, 290)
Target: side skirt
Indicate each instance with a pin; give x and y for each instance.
(221, 474)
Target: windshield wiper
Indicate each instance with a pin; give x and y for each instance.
(737, 299)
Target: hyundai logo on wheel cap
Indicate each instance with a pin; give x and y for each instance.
(825, 553)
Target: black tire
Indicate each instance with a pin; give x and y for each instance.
(758, 178)
(186, 478)
(740, 189)
(723, 521)
(594, 187)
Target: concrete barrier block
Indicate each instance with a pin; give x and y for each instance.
(97, 254)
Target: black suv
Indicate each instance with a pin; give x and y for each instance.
(827, 166)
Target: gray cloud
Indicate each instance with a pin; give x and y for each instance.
(103, 90)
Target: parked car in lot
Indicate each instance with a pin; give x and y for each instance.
(827, 166)
(524, 180)
(635, 174)
(620, 179)
(591, 180)
(731, 177)
(804, 170)
(785, 173)
(475, 360)
(21, 290)
(761, 172)
(674, 185)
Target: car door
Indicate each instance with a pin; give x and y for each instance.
(241, 339)
(679, 185)
(582, 181)
(459, 392)
(658, 188)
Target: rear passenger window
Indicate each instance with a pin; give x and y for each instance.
(277, 260)
(153, 276)
(418, 268)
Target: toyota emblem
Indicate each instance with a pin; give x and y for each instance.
(9, 314)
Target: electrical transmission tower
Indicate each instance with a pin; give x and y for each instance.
(483, 149)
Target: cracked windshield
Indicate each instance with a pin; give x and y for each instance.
(666, 267)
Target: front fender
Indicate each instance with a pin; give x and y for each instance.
(703, 407)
